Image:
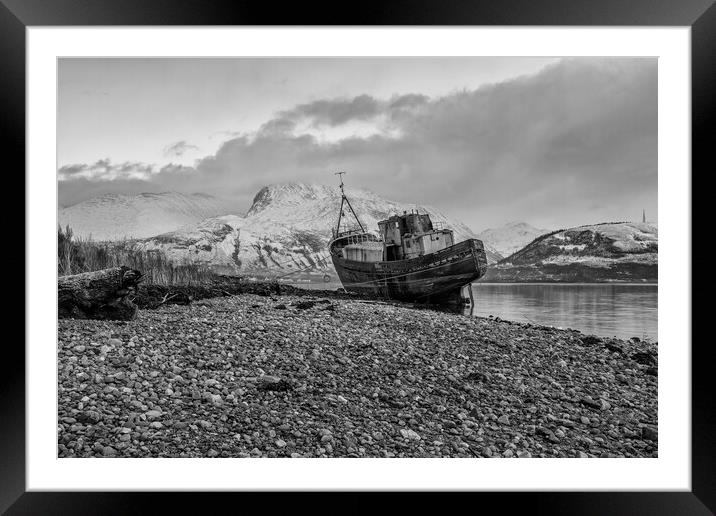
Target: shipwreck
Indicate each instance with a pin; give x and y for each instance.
(410, 258)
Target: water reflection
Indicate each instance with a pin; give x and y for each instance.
(617, 310)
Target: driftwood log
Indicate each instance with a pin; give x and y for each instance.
(104, 294)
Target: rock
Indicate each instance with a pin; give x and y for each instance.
(652, 371)
(280, 443)
(108, 451)
(272, 383)
(508, 453)
(90, 417)
(546, 432)
(114, 342)
(590, 340)
(410, 434)
(524, 454)
(79, 349)
(584, 420)
(214, 399)
(614, 347)
(153, 414)
(582, 455)
(649, 433)
(503, 419)
(212, 453)
(478, 376)
(646, 359)
(589, 402)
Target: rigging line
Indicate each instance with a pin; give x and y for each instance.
(340, 215)
(323, 257)
(408, 274)
(305, 268)
(425, 281)
(354, 213)
(439, 291)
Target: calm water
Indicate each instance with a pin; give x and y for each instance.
(610, 310)
(621, 310)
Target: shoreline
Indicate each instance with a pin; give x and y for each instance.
(313, 375)
(567, 283)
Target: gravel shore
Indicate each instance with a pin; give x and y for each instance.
(310, 376)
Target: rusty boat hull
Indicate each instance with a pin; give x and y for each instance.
(432, 278)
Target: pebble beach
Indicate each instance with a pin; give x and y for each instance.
(314, 375)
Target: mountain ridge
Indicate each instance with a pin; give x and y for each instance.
(119, 216)
(287, 228)
(608, 251)
(510, 237)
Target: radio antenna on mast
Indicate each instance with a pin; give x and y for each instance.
(344, 200)
(340, 176)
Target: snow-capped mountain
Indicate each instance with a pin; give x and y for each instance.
(287, 228)
(115, 217)
(511, 237)
(626, 251)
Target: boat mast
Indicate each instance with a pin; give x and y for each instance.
(345, 200)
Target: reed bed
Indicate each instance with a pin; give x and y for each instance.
(78, 254)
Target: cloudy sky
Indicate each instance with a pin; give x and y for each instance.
(553, 142)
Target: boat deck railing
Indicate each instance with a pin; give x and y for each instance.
(356, 237)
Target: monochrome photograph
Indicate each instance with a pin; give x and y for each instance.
(357, 257)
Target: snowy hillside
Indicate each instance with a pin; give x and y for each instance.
(602, 252)
(287, 228)
(115, 217)
(511, 237)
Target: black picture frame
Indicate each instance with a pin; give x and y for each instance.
(17, 15)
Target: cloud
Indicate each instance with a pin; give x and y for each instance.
(574, 142)
(178, 149)
(341, 111)
(337, 112)
(104, 170)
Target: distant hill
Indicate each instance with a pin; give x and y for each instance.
(622, 251)
(287, 228)
(115, 217)
(510, 237)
